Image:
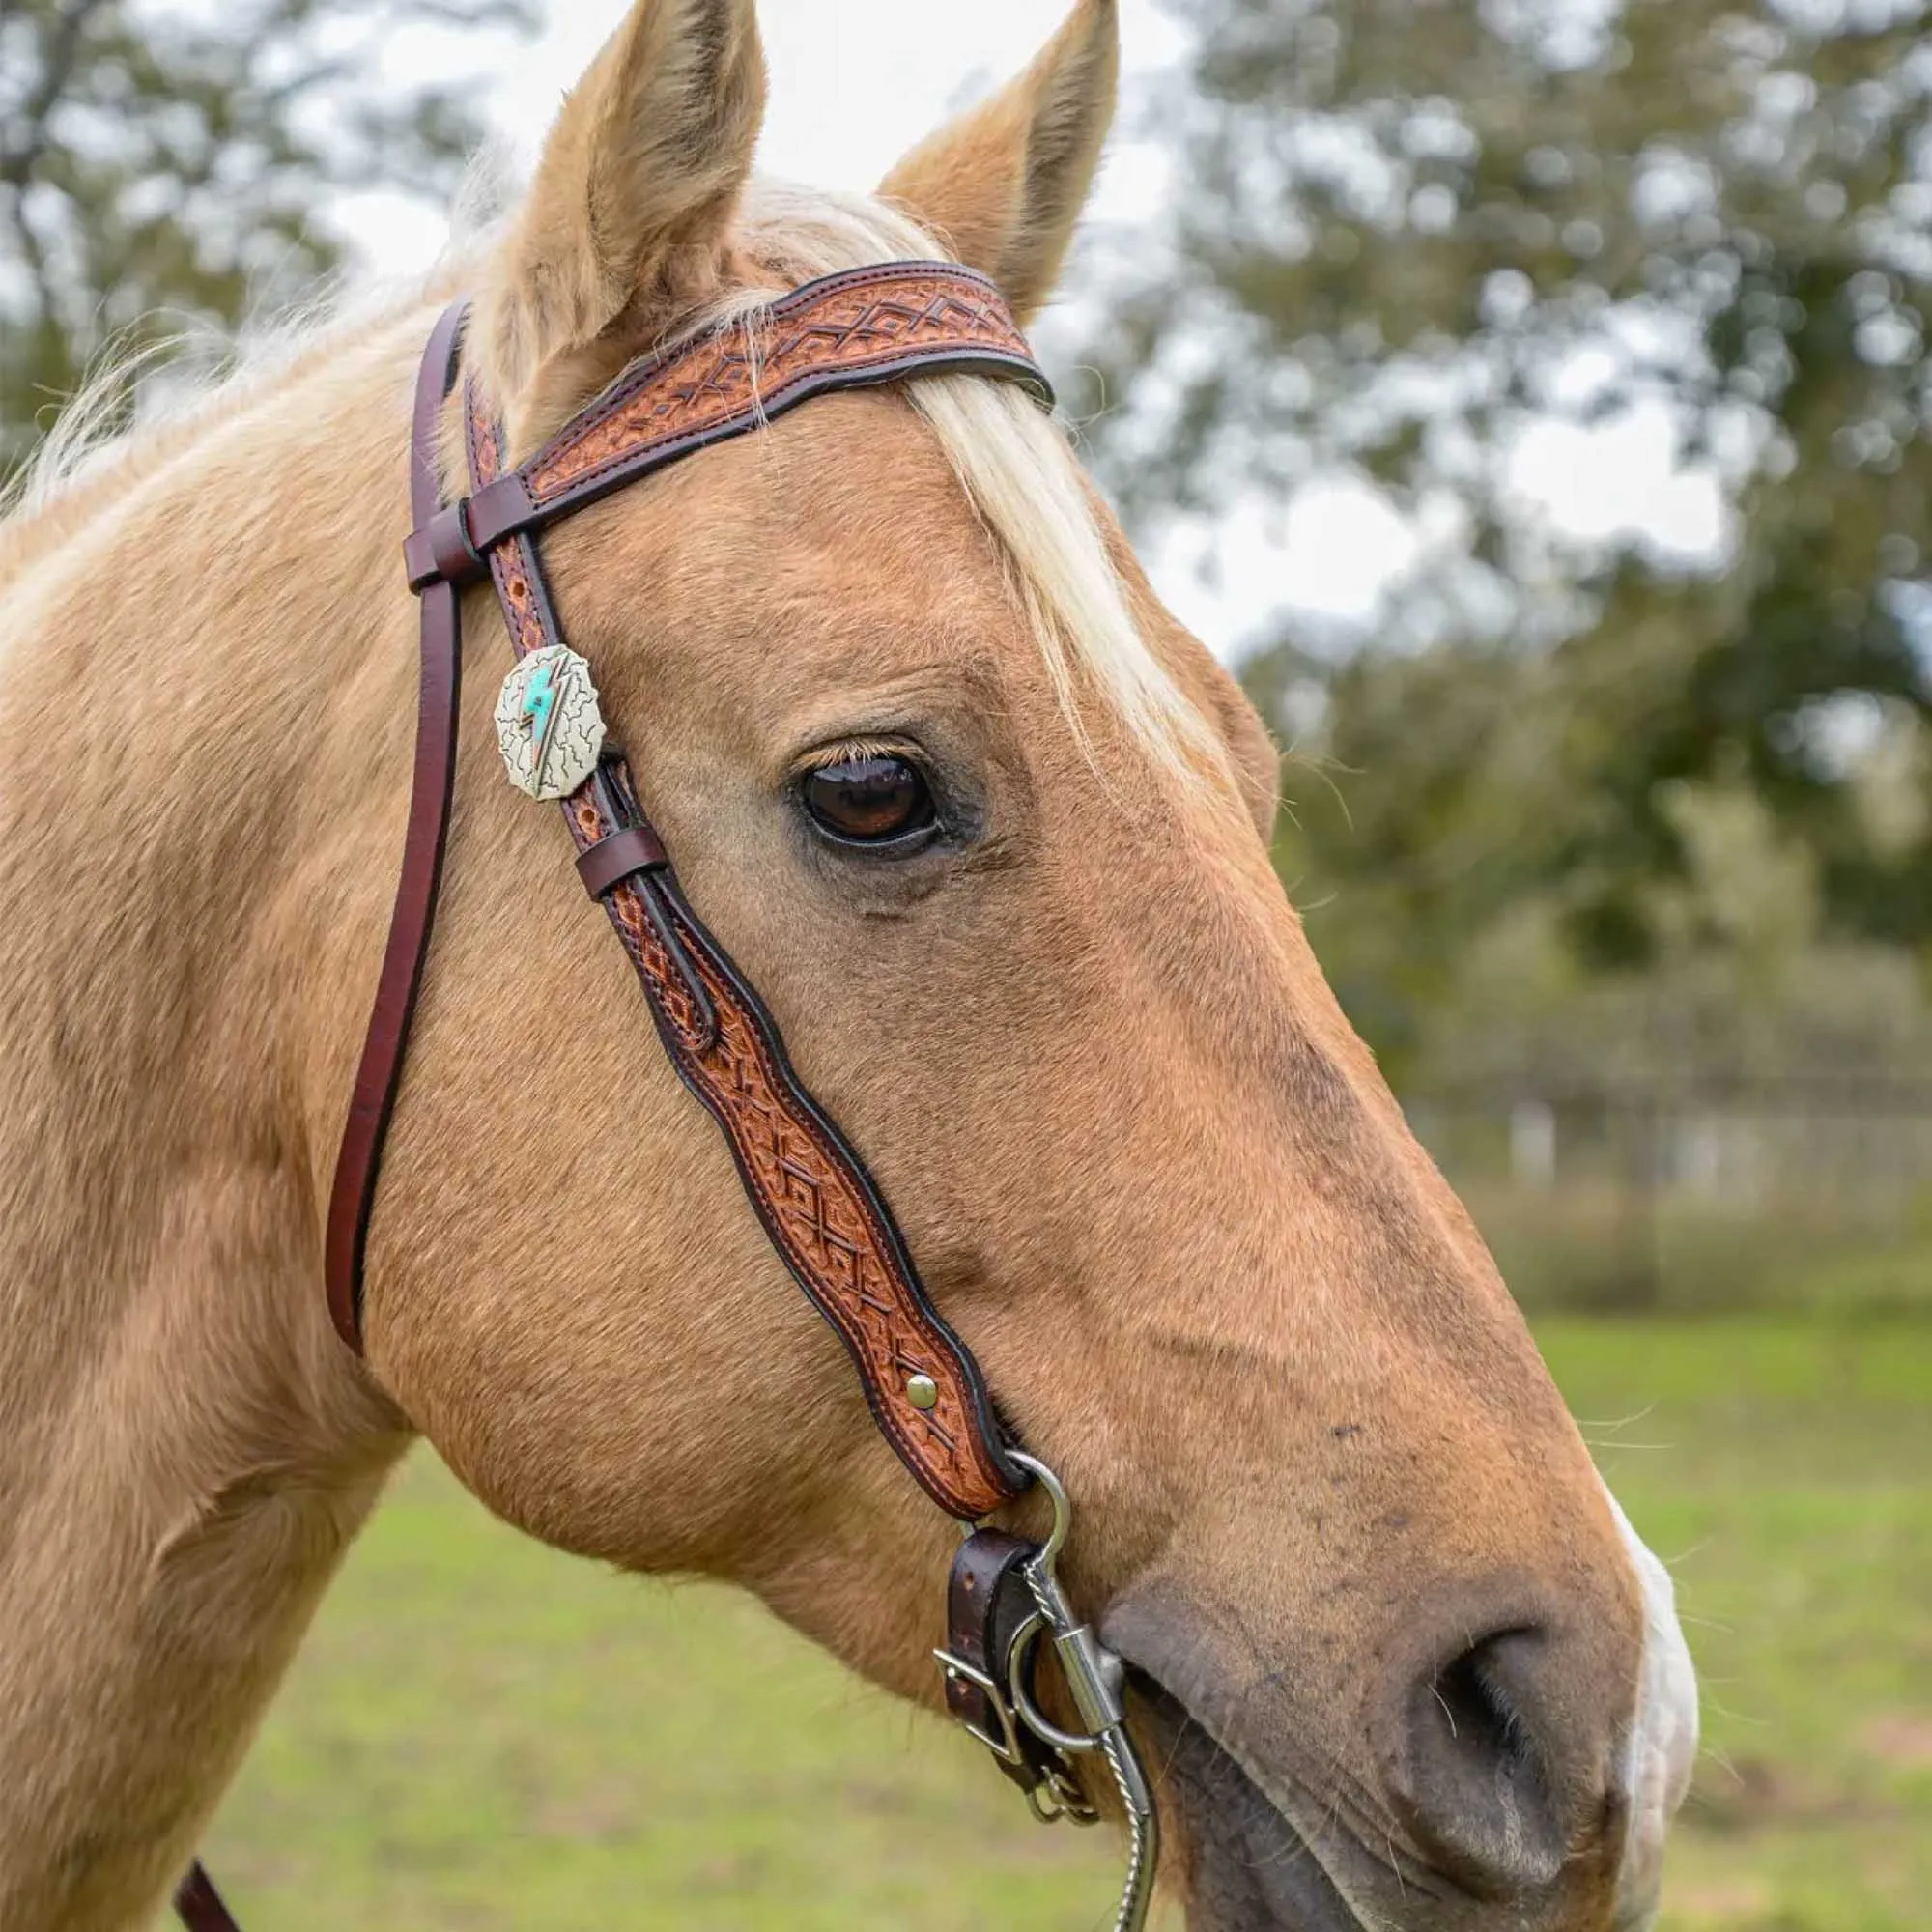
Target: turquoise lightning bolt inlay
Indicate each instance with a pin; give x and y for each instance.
(539, 717)
(548, 725)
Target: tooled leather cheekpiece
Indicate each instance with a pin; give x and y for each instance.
(823, 1214)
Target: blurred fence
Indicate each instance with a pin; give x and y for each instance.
(1809, 1194)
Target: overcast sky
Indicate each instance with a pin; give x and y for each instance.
(854, 83)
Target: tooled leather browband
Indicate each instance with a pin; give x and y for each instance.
(820, 1209)
(848, 331)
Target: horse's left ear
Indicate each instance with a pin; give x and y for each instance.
(1004, 185)
(626, 222)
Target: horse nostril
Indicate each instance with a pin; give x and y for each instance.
(1479, 1782)
(1480, 1708)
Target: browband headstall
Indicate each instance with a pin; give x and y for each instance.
(847, 331)
(825, 1217)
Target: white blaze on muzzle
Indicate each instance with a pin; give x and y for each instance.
(1662, 1743)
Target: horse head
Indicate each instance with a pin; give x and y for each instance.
(989, 831)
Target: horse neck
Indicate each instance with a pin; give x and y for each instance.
(196, 685)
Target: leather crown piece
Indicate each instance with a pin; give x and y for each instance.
(820, 1209)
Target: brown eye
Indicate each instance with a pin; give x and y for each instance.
(868, 801)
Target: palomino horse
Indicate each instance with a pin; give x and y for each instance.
(1399, 1660)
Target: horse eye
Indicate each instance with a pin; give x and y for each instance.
(868, 801)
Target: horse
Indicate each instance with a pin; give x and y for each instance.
(1398, 1660)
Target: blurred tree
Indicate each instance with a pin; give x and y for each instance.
(170, 155)
(1425, 242)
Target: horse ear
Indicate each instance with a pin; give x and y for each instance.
(1004, 185)
(628, 214)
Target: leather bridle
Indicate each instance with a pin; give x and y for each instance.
(821, 1209)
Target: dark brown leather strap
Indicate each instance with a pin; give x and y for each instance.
(198, 1905)
(359, 1161)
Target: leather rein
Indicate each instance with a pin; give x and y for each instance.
(823, 1214)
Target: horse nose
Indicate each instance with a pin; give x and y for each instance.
(1506, 1749)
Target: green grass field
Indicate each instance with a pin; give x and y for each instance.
(482, 1734)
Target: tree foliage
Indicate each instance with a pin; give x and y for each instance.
(163, 163)
(1418, 233)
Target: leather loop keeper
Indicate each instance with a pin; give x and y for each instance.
(624, 854)
(500, 509)
(442, 552)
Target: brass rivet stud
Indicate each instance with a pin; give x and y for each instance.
(923, 1392)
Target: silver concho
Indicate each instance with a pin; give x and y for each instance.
(548, 724)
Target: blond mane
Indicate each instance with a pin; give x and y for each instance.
(141, 406)
(1012, 459)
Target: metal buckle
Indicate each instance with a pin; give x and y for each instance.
(1005, 1745)
(1058, 1792)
